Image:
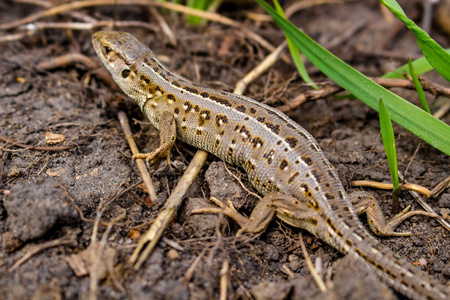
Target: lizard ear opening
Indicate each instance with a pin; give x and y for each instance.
(125, 73)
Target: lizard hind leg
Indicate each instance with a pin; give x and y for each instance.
(365, 202)
(289, 209)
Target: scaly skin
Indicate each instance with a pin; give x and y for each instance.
(282, 160)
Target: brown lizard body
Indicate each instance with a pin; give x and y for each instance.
(283, 161)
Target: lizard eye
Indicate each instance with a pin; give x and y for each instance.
(106, 49)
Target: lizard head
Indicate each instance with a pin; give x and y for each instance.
(119, 51)
(111, 46)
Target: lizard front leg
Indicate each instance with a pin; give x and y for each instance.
(167, 135)
(365, 202)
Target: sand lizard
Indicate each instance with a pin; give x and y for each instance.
(282, 160)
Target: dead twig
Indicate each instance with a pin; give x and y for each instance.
(37, 249)
(218, 242)
(60, 148)
(38, 148)
(258, 17)
(112, 273)
(333, 88)
(311, 268)
(142, 225)
(72, 202)
(414, 190)
(16, 36)
(93, 274)
(224, 280)
(153, 235)
(406, 187)
(139, 162)
(440, 187)
(288, 271)
(389, 186)
(69, 7)
(425, 205)
(47, 4)
(309, 95)
(172, 6)
(349, 33)
(80, 212)
(190, 271)
(67, 59)
(99, 253)
(88, 26)
(428, 14)
(443, 110)
(164, 26)
(2, 165)
(173, 244)
(259, 69)
(33, 28)
(428, 86)
(241, 183)
(309, 3)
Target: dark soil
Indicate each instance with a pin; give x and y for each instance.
(38, 187)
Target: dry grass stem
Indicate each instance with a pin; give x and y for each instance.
(309, 95)
(389, 186)
(443, 110)
(259, 69)
(190, 271)
(31, 28)
(425, 205)
(309, 3)
(413, 189)
(172, 6)
(428, 86)
(139, 162)
(48, 4)
(164, 26)
(67, 59)
(37, 249)
(288, 271)
(440, 187)
(224, 280)
(311, 268)
(155, 232)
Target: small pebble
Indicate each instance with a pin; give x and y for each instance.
(173, 254)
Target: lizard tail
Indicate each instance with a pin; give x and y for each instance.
(396, 271)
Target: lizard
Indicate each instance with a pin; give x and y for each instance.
(282, 160)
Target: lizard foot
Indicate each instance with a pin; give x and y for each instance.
(365, 202)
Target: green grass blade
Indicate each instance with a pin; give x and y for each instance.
(421, 66)
(402, 112)
(198, 4)
(387, 133)
(295, 52)
(434, 53)
(418, 86)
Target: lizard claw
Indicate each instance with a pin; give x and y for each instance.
(222, 205)
(152, 158)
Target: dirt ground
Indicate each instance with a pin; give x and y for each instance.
(50, 198)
